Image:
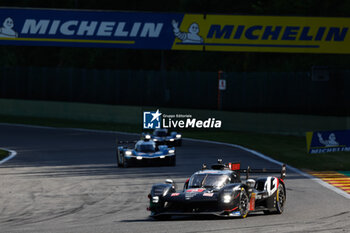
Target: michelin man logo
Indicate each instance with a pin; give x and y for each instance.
(151, 120)
(7, 29)
(330, 142)
(187, 37)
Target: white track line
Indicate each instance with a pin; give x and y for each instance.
(260, 155)
(12, 155)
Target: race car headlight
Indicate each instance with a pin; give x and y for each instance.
(148, 136)
(162, 156)
(128, 152)
(226, 198)
(155, 199)
(171, 139)
(171, 151)
(139, 157)
(178, 135)
(155, 139)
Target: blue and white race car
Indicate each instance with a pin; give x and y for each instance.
(146, 152)
(164, 137)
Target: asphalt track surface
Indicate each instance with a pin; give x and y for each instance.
(65, 180)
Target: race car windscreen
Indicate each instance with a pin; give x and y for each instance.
(146, 148)
(208, 181)
(160, 133)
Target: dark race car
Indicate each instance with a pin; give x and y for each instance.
(164, 137)
(145, 152)
(219, 191)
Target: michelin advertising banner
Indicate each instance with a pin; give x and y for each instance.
(171, 31)
(328, 141)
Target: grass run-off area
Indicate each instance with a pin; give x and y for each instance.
(3, 154)
(287, 149)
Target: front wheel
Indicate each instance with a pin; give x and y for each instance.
(119, 161)
(125, 163)
(280, 199)
(243, 203)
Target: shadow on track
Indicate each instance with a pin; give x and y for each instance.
(195, 218)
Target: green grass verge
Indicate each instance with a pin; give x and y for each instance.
(3, 154)
(347, 173)
(287, 149)
(62, 123)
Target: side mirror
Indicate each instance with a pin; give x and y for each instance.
(170, 181)
(283, 172)
(250, 183)
(186, 184)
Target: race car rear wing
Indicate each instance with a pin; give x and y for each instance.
(144, 137)
(282, 171)
(125, 142)
(236, 166)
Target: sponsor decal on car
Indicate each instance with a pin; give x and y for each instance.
(175, 194)
(208, 194)
(236, 213)
(252, 202)
(195, 190)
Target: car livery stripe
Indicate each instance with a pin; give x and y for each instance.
(194, 190)
(208, 194)
(231, 209)
(337, 179)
